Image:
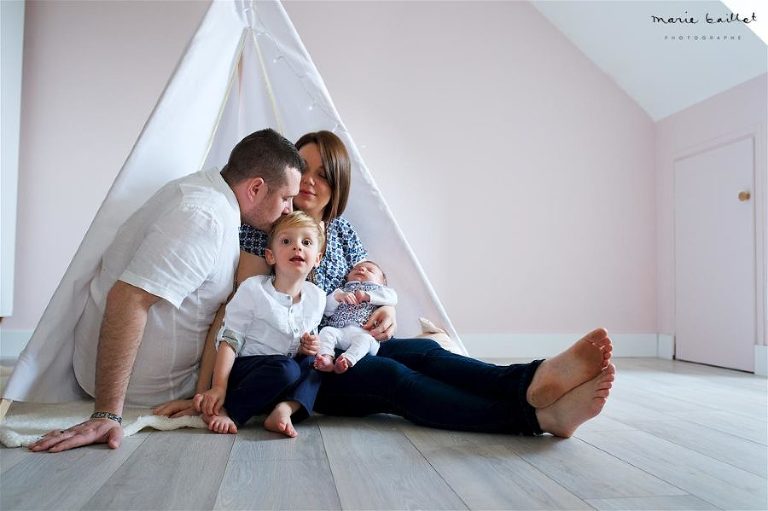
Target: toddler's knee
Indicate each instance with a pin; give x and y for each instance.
(287, 370)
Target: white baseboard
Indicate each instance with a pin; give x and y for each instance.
(13, 342)
(548, 345)
(665, 347)
(761, 360)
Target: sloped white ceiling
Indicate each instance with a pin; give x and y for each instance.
(648, 60)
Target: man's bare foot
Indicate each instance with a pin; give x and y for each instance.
(341, 365)
(561, 373)
(577, 406)
(221, 423)
(279, 420)
(324, 363)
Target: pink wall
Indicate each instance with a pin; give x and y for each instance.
(505, 153)
(732, 113)
(521, 174)
(92, 74)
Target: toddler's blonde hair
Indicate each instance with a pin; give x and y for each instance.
(297, 219)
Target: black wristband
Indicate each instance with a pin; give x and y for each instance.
(107, 415)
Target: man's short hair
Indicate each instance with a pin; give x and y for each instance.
(265, 154)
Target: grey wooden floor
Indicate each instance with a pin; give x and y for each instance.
(673, 436)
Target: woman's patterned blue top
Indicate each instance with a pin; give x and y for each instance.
(343, 249)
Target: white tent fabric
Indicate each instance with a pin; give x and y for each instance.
(245, 69)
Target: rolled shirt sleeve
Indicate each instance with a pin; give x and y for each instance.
(177, 254)
(238, 316)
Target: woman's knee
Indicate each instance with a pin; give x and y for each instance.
(409, 347)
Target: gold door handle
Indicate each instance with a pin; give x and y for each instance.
(744, 196)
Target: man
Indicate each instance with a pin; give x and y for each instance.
(162, 279)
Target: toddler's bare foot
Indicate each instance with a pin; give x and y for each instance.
(342, 364)
(577, 406)
(324, 363)
(579, 363)
(221, 423)
(279, 420)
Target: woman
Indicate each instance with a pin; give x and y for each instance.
(416, 378)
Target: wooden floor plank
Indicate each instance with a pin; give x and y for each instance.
(671, 392)
(623, 409)
(270, 471)
(254, 442)
(64, 480)
(605, 423)
(711, 480)
(486, 474)
(742, 427)
(277, 484)
(178, 471)
(741, 453)
(673, 503)
(493, 477)
(587, 471)
(375, 466)
(9, 457)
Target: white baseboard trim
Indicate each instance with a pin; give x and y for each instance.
(13, 342)
(548, 345)
(665, 346)
(761, 360)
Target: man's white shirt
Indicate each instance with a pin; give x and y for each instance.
(182, 246)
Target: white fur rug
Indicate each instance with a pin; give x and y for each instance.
(25, 423)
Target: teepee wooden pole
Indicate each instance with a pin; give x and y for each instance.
(5, 404)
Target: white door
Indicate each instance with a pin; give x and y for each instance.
(715, 271)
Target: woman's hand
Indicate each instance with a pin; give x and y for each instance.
(309, 344)
(382, 323)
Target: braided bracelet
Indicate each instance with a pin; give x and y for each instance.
(107, 415)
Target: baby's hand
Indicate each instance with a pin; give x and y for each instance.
(348, 298)
(362, 296)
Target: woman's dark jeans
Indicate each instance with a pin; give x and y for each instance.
(420, 381)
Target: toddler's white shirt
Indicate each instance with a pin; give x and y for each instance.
(260, 320)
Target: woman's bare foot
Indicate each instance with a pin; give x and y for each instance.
(561, 373)
(221, 423)
(341, 365)
(577, 406)
(279, 420)
(324, 363)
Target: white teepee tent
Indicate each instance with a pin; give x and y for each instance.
(245, 69)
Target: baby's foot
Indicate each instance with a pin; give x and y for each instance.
(279, 421)
(341, 365)
(581, 362)
(324, 363)
(577, 406)
(221, 423)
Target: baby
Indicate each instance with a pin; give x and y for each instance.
(347, 309)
